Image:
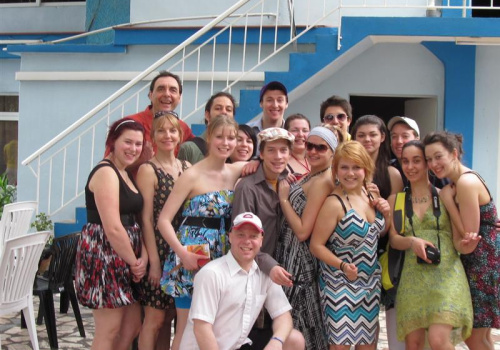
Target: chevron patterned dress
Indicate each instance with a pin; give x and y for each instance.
(351, 308)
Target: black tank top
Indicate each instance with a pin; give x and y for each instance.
(130, 202)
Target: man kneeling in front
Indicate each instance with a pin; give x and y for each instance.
(229, 293)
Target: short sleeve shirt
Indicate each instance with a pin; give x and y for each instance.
(230, 299)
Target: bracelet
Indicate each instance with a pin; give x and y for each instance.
(342, 264)
(285, 200)
(278, 339)
(411, 242)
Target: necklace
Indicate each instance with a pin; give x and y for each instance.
(346, 196)
(310, 176)
(423, 199)
(304, 165)
(165, 168)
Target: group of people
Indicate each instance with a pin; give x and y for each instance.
(268, 235)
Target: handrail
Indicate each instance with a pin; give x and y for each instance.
(293, 27)
(131, 83)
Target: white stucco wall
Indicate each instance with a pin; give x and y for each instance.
(8, 69)
(388, 69)
(305, 12)
(27, 18)
(487, 117)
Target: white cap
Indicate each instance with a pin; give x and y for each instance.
(408, 121)
(247, 218)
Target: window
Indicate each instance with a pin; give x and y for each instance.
(9, 104)
(9, 115)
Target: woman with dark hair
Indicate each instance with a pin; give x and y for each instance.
(472, 209)
(300, 204)
(433, 299)
(344, 239)
(371, 131)
(155, 180)
(110, 256)
(299, 126)
(246, 144)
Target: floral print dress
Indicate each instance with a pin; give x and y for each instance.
(102, 278)
(482, 267)
(216, 204)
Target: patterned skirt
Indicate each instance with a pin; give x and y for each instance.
(152, 296)
(103, 279)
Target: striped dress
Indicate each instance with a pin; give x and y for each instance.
(297, 259)
(351, 308)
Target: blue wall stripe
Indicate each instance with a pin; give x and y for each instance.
(67, 48)
(460, 74)
(175, 36)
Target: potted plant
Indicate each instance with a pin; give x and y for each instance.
(7, 192)
(43, 223)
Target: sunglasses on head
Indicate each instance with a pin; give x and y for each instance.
(340, 117)
(319, 148)
(162, 113)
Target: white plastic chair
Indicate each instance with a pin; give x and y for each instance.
(18, 266)
(16, 220)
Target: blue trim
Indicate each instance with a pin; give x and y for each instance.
(460, 76)
(356, 28)
(449, 13)
(40, 36)
(67, 48)
(175, 36)
(65, 228)
(33, 36)
(168, 36)
(7, 56)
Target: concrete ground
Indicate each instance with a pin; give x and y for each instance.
(15, 338)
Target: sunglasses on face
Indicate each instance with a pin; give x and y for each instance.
(162, 113)
(340, 117)
(319, 148)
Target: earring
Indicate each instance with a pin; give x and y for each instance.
(337, 181)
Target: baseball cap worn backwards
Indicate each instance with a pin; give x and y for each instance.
(408, 121)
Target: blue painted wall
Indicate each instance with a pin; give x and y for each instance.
(460, 64)
(102, 14)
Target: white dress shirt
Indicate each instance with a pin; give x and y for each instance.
(230, 299)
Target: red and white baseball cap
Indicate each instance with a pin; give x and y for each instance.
(248, 218)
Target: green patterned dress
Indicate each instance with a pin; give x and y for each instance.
(431, 294)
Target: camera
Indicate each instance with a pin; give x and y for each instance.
(433, 254)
